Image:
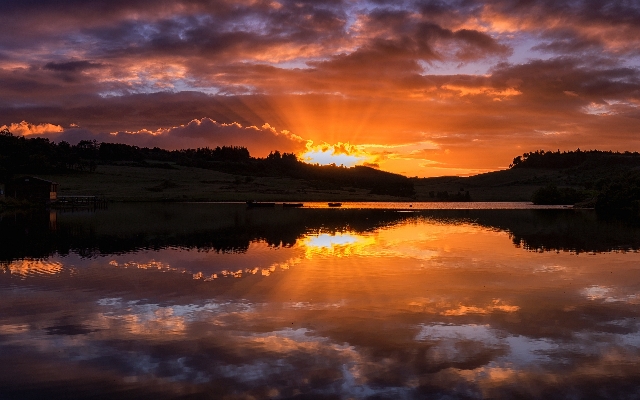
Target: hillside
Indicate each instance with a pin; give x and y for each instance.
(122, 172)
(181, 183)
(589, 172)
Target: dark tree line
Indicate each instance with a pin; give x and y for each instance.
(551, 194)
(114, 152)
(446, 196)
(238, 161)
(577, 158)
(611, 179)
(19, 155)
(622, 194)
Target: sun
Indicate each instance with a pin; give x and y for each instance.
(329, 157)
(343, 154)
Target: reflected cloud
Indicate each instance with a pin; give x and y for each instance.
(159, 265)
(428, 305)
(442, 307)
(25, 268)
(495, 306)
(155, 320)
(480, 333)
(550, 269)
(609, 294)
(515, 351)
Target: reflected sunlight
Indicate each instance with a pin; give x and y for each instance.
(339, 244)
(351, 303)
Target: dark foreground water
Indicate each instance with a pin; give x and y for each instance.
(219, 301)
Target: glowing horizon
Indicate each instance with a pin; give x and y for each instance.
(331, 158)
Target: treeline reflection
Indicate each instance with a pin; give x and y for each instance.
(232, 227)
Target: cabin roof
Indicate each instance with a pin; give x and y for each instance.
(33, 178)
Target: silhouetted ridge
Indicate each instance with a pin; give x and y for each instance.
(577, 158)
(20, 155)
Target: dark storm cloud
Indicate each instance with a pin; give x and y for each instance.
(613, 25)
(72, 66)
(400, 49)
(188, 28)
(567, 42)
(615, 12)
(71, 71)
(197, 28)
(559, 77)
(129, 35)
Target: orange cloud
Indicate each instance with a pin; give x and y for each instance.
(24, 128)
(488, 91)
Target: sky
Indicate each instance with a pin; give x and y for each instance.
(421, 88)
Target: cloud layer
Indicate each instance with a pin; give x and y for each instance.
(482, 80)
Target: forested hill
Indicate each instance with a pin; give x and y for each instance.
(20, 155)
(610, 179)
(571, 159)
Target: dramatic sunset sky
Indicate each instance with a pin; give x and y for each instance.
(422, 88)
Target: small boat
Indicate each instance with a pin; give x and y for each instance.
(252, 203)
(335, 204)
(292, 205)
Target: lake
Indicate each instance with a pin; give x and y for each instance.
(376, 301)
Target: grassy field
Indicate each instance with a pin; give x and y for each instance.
(130, 183)
(127, 183)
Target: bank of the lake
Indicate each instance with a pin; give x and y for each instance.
(181, 183)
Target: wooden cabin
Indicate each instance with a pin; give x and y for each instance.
(32, 189)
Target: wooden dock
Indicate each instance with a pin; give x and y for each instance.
(76, 202)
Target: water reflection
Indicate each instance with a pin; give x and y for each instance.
(231, 228)
(325, 304)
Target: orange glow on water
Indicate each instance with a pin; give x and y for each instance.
(337, 245)
(27, 268)
(348, 294)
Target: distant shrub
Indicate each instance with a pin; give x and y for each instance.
(551, 194)
(446, 196)
(621, 195)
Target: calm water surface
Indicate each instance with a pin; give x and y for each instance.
(220, 301)
(434, 205)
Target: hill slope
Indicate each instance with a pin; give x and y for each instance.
(590, 172)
